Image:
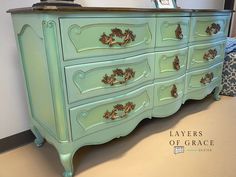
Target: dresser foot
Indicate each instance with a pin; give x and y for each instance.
(67, 162)
(216, 94)
(67, 174)
(39, 140)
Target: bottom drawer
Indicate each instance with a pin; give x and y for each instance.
(203, 78)
(168, 97)
(168, 92)
(104, 114)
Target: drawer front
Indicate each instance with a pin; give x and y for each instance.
(89, 80)
(91, 37)
(168, 92)
(100, 115)
(172, 31)
(206, 54)
(206, 28)
(171, 63)
(203, 78)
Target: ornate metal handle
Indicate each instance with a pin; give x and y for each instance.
(174, 91)
(119, 111)
(176, 63)
(213, 29)
(110, 39)
(211, 54)
(178, 32)
(207, 79)
(126, 75)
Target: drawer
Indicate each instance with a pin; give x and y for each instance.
(168, 92)
(206, 28)
(108, 113)
(172, 31)
(203, 78)
(171, 63)
(206, 54)
(89, 80)
(83, 37)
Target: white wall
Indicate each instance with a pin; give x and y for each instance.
(191, 4)
(119, 3)
(13, 108)
(201, 4)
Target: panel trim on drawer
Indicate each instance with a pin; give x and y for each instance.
(89, 37)
(168, 96)
(167, 109)
(171, 63)
(89, 118)
(205, 55)
(163, 91)
(167, 29)
(199, 27)
(88, 80)
(194, 79)
(203, 92)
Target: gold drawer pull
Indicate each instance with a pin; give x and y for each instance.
(211, 54)
(126, 75)
(207, 79)
(178, 32)
(174, 91)
(176, 64)
(110, 39)
(213, 29)
(119, 111)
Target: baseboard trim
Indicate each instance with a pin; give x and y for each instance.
(16, 140)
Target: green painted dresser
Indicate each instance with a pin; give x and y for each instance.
(92, 74)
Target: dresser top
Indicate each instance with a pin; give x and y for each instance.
(61, 9)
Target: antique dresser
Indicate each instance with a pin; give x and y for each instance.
(92, 74)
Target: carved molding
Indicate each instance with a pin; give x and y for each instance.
(172, 63)
(74, 32)
(82, 75)
(23, 29)
(177, 31)
(171, 90)
(55, 75)
(83, 116)
(206, 33)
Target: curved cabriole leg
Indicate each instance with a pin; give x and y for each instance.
(67, 162)
(39, 140)
(217, 93)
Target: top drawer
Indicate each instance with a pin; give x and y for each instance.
(92, 37)
(172, 31)
(207, 28)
